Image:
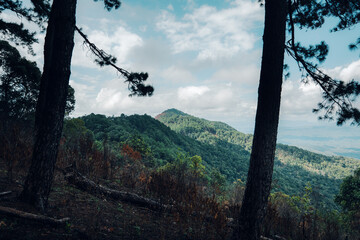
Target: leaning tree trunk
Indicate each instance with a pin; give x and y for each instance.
(266, 124)
(59, 43)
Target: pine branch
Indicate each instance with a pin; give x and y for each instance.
(335, 92)
(135, 80)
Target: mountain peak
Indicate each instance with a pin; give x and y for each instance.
(171, 111)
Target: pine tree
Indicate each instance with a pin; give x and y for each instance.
(50, 110)
(338, 96)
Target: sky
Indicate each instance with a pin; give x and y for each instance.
(203, 58)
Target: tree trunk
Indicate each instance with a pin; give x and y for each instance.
(59, 43)
(266, 124)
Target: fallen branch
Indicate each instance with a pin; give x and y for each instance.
(11, 212)
(264, 238)
(276, 237)
(5, 193)
(85, 184)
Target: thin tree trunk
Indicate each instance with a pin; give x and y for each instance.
(59, 43)
(266, 124)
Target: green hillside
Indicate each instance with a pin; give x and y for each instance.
(203, 130)
(294, 167)
(221, 147)
(165, 144)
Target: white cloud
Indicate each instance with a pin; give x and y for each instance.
(83, 98)
(242, 76)
(108, 99)
(119, 43)
(191, 92)
(298, 99)
(214, 34)
(178, 75)
(346, 73)
(32, 27)
(153, 54)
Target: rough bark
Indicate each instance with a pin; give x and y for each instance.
(11, 212)
(59, 43)
(91, 187)
(266, 124)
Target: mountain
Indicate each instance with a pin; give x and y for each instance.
(221, 147)
(293, 168)
(203, 130)
(166, 144)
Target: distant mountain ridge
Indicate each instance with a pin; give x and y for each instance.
(203, 130)
(291, 162)
(223, 148)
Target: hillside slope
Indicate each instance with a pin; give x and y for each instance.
(294, 167)
(166, 144)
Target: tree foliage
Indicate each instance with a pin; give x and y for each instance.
(16, 32)
(349, 195)
(349, 200)
(20, 85)
(338, 96)
(222, 151)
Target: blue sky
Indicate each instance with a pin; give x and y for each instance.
(203, 58)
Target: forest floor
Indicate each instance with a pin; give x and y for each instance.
(91, 217)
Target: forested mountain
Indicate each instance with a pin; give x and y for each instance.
(294, 167)
(165, 144)
(221, 147)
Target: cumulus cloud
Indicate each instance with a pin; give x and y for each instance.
(298, 99)
(119, 43)
(217, 100)
(191, 92)
(346, 73)
(112, 99)
(178, 75)
(153, 54)
(213, 33)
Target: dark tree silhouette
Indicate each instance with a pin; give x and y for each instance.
(59, 42)
(266, 124)
(338, 96)
(20, 86)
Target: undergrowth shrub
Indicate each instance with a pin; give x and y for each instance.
(16, 141)
(295, 217)
(182, 184)
(202, 204)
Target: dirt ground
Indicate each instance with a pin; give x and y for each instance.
(92, 217)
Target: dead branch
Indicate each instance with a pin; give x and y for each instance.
(11, 212)
(264, 238)
(85, 184)
(5, 193)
